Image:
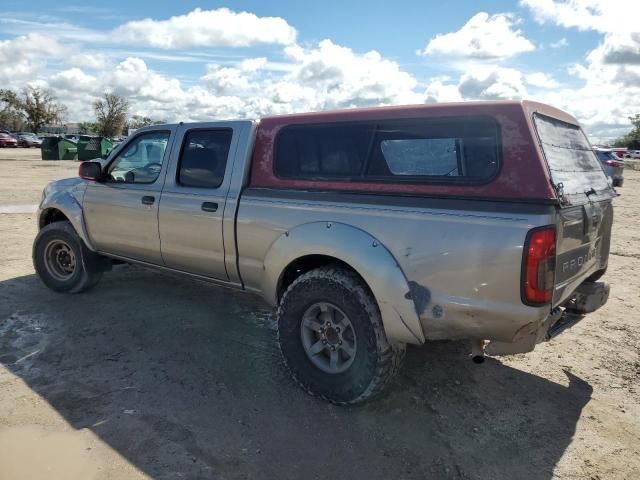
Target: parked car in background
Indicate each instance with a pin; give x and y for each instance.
(6, 140)
(633, 153)
(620, 152)
(26, 139)
(612, 165)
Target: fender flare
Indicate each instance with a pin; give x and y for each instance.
(366, 255)
(66, 203)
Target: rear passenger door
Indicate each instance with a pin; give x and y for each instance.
(193, 200)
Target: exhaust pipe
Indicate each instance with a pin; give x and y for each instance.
(477, 351)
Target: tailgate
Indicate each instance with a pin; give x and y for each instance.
(583, 228)
(582, 245)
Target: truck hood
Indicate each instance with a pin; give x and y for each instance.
(66, 183)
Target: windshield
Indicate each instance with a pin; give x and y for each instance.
(570, 158)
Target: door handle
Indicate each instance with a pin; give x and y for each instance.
(209, 207)
(148, 200)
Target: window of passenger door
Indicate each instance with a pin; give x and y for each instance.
(203, 158)
(140, 161)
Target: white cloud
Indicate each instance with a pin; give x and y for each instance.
(24, 57)
(563, 42)
(74, 80)
(132, 78)
(341, 78)
(239, 79)
(478, 82)
(252, 64)
(220, 27)
(32, 45)
(325, 76)
(492, 83)
(610, 76)
(440, 91)
(90, 60)
(482, 37)
(618, 48)
(541, 80)
(600, 15)
(604, 91)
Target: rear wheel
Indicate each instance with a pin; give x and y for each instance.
(332, 339)
(63, 261)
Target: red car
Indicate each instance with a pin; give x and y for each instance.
(7, 140)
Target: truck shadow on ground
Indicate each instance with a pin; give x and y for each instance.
(185, 381)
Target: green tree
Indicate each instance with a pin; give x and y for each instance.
(111, 114)
(36, 106)
(138, 121)
(10, 116)
(87, 128)
(632, 139)
(40, 108)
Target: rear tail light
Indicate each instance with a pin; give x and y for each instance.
(614, 163)
(539, 262)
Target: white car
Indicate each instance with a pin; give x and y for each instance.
(633, 153)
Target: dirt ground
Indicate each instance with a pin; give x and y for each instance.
(151, 375)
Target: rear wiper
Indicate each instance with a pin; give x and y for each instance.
(591, 191)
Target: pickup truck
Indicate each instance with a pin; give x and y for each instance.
(367, 229)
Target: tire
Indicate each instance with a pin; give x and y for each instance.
(63, 261)
(374, 361)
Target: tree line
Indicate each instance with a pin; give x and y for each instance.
(632, 139)
(34, 108)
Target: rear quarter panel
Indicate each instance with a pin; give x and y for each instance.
(462, 258)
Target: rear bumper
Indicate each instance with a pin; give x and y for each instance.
(587, 298)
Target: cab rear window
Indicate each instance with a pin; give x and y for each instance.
(416, 150)
(573, 165)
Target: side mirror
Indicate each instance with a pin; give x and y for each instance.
(90, 171)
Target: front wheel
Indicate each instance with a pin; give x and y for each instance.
(332, 339)
(63, 261)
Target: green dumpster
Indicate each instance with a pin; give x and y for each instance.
(93, 147)
(58, 148)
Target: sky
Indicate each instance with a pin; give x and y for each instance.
(197, 61)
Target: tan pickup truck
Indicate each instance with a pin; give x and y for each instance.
(367, 229)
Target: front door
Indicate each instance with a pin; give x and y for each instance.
(121, 213)
(194, 198)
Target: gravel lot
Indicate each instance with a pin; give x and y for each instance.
(151, 375)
